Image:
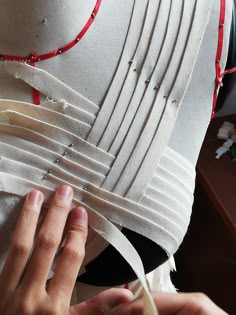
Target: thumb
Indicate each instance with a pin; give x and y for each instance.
(102, 303)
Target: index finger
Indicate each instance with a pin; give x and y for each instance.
(22, 241)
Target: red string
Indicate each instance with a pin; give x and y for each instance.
(228, 72)
(36, 94)
(33, 57)
(218, 80)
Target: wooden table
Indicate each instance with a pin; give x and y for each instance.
(206, 261)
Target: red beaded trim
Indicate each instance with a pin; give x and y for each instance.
(33, 57)
(219, 75)
(218, 81)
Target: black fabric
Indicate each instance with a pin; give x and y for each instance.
(229, 81)
(111, 269)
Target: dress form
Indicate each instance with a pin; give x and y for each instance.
(88, 85)
(45, 31)
(34, 21)
(45, 26)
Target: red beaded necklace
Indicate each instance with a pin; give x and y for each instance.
(33, 58)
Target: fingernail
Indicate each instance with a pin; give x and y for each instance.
(80, 215)
(35, 197)
(64, 191)
(115, 300)
(124, 298)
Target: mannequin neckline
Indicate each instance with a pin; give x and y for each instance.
(32, 58)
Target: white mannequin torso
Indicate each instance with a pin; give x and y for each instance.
(88, 67)
(42, 26)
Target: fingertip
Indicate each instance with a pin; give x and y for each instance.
(117, 297)
(35, 197)
(127, 295)
(65, 191)
(80, 215)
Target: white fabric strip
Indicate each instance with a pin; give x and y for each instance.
(123, 172)
(139, 120)
(145, 86)
(16, 133)
(115, 208)
(133, 78)
(69, 110)
(165, 205)
(56, 133)
(48, 116)
(162, 136)
(174, 185)
(132, 40)
(30, 154)
(47, 84)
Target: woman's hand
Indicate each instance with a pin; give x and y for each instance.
(23, 281)
(173, 304)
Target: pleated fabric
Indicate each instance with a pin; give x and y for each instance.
(114, 154)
